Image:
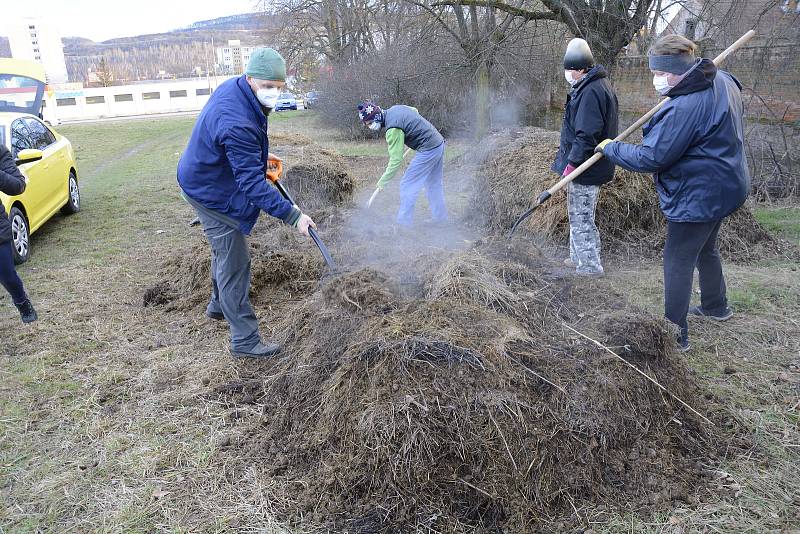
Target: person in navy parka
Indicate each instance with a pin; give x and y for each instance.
(694, 145)
(222, 175)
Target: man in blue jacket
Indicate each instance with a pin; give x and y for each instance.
(222, 175)
(694, 146)
(590, 115)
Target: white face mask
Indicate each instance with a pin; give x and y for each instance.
(268, 97)
(374, 126)
(661, 84)
(568, 76)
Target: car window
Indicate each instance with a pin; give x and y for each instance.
(286, 95)
(20, 137)
(41, 136)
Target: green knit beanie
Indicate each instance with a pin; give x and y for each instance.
(266, 64)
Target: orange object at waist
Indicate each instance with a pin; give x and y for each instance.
(274, 169)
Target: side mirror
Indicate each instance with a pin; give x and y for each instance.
(29, 155)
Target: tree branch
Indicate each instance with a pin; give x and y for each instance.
(502, 6)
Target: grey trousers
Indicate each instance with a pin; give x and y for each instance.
(584, 239)
(230, 281)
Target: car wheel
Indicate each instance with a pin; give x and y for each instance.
(73, 204)
(20, 235)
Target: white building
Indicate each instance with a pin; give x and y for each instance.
(234, 57)
(74, 102)
(38, 40)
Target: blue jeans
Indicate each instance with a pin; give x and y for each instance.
(426, 170)
(230, 281)
(8, 274)
(691, 245)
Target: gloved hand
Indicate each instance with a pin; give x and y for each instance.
(304, 223)
(568, 170)
(602, 145)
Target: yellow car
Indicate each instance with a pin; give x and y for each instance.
(47, 161)
(44, 157)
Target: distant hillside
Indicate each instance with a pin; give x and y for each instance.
(251, 21)
(177, 52)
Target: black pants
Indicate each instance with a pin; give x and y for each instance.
(691, 245)
(8, 274)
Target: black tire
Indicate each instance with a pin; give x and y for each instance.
(73, 204)
(20, 235)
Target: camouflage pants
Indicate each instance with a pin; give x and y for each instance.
(584, 239)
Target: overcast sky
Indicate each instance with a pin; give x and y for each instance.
(106, 19)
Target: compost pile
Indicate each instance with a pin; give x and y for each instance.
(514, 167)
(444, 383)
(472, 404)
(318, 177)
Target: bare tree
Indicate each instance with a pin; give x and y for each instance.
(479, 34)
(607, 25)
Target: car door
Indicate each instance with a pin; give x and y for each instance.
(35, 192)
(55, 169)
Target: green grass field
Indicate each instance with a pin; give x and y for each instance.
(106, 423)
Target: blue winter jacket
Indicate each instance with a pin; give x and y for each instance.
(223, 165)
(694, 146)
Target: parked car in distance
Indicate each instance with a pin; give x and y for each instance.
(286, 101)
(311, 99)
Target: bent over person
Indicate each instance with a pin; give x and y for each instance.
(590, 115)
(694, 145)
(406, 127)
(222, 175)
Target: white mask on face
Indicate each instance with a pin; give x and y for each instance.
(374, 126)
(661, 84)
(568, 76)
(268, 97)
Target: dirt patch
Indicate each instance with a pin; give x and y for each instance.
(514, 167)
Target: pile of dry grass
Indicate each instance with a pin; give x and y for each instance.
(469, 405)
(289, 138)
(515, 168)
(317, 177)
(276, 274)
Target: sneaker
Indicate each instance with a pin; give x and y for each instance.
(26, 311)
(683, 344)
(261, 350)
(723, 315)
(217, 316)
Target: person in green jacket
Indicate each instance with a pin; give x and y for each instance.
(406, 127)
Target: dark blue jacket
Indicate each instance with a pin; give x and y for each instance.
(12, 183)
(223, 165)
(695, 147)
(590, 115)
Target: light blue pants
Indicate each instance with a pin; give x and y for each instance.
(426, 170)
(230, 281)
